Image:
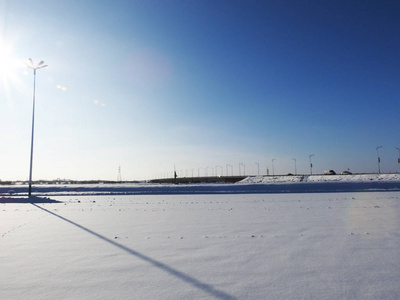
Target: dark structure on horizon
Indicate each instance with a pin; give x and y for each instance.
(208, 179)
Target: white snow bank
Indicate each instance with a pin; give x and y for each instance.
(322, 178)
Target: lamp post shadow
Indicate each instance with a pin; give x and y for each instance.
(188, 279)
(29, 200)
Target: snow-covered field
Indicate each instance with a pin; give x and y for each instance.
(202, 246)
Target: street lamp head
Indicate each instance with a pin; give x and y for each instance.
(31, 65)
(42, 67)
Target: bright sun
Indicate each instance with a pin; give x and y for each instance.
(8, 65)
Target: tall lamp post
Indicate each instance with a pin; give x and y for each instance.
(311, 163)
(244, 169)
(398, 160)
(379, 159)
(32, 66)
(273, 169)
(216, 170)
(295, 166)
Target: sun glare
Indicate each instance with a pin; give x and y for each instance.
(8, 65)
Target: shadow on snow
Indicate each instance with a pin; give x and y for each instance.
(30, 200)
(194, 282)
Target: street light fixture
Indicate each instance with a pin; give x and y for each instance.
(31, 65)
(231, 169)
(216, 170)
(311, 163)
(244, 169)
(379, 159)
(273, 169)
(398, 160)
(295, 166)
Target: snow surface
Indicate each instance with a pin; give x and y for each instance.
(218, 246)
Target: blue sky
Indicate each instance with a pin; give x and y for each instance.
(147, 85)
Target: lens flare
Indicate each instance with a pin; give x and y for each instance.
(60, 87)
